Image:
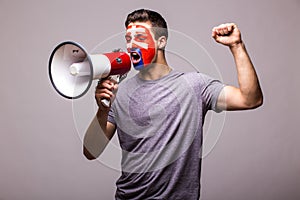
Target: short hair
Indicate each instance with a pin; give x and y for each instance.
(159, 24)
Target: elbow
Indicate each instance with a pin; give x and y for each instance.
(260, 101)
(88, 155)
(257, 102)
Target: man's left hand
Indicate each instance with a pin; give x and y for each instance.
(227, 34)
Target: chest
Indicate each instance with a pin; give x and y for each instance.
(142, 108)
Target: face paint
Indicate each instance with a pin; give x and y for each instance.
(140, 45)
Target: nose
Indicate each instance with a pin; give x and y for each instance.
(132, 45)
(129, 44)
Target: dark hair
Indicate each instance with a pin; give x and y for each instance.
(159, 25)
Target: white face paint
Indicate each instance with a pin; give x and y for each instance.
(134, 33)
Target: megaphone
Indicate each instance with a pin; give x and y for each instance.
(72, 69)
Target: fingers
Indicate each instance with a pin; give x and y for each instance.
(105, 90)
(105, 84)
(227, 34)
(223, 29)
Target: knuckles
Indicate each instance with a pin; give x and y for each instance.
(224, 29)
(105, 89)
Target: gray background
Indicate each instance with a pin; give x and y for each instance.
(257, 154)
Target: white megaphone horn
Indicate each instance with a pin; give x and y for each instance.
(72, 69)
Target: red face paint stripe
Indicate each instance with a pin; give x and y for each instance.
(148, 54)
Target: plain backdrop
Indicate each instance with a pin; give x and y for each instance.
(256, 155)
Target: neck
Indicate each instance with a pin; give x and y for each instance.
(156, 70)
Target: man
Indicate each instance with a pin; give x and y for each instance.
(159, 113)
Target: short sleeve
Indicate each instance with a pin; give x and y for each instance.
(111, 116)
(210, 92)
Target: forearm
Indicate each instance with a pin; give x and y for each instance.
(247, 77)
(97, 136)
(102, 116)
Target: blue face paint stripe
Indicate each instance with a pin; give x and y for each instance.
(140, 64)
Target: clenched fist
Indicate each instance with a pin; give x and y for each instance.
(106, 89)
(227, 34)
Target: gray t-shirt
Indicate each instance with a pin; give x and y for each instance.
(159, 125)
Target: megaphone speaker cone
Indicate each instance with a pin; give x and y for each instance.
(70, 70)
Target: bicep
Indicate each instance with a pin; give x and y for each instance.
(231, 98)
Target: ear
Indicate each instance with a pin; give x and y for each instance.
(161, 42)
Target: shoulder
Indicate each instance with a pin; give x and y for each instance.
(190, 76)
(198, 78)
(127, 82)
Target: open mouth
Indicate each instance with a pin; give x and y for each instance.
(135, 57)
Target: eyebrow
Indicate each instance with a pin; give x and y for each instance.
(139, 34)
(136, 33)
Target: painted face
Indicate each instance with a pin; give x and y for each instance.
(140, 45)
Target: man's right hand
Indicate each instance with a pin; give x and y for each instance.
(106, 89)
